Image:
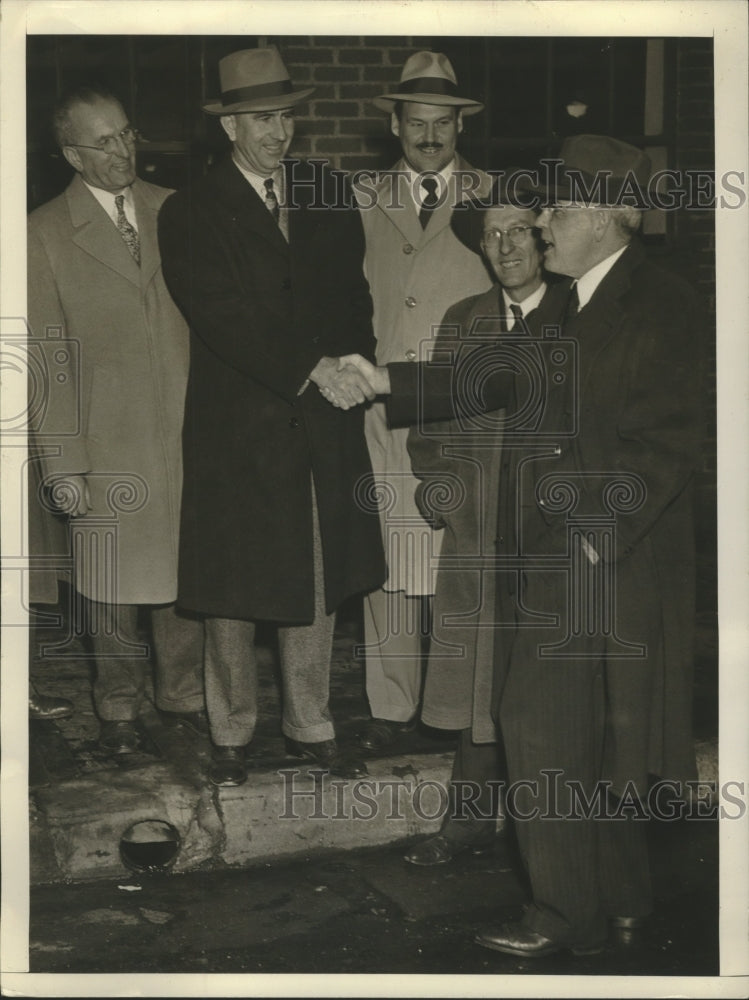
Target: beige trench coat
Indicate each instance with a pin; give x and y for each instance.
(114, 407)
(414, 275)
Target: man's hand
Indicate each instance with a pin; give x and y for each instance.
(70, 495)
(342, 385)
(378, 379)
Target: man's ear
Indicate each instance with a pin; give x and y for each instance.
(229, 125)
(73, 157)
(601, 222)
(460, 121)
(395, 125)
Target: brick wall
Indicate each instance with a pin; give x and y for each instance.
(340, 122)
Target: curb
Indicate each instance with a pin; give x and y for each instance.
(77, 826)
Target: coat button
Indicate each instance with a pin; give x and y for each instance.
(411, 355)
(410, 301)
(315, 340)
(294, 422)
(407, 248)
(285, 285)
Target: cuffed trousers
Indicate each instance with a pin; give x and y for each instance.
(231, 682)
(394, 629)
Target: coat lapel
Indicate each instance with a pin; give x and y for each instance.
(146, 210)
(96, 234)
(247, 211)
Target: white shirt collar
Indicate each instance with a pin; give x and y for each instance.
(257, 181)
(106, 200)
(593, 278)
(528, 304)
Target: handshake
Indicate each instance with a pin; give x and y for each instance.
(350, 380)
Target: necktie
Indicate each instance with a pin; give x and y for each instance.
(128, 233)
(516, 326)
(271, 201)
(430, 200)
(517, 313)
(573, 305)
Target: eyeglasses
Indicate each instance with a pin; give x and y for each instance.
(515, 234)
(109, 144)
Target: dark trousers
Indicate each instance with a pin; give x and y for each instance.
(473, 801)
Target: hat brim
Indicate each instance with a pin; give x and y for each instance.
(386, 102)
(550, 194)
(467, 219)
(259, 104)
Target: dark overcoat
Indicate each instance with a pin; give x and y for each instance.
(459, 469)
(626, 407)
(262, 312)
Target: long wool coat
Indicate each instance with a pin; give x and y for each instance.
(459, 468)
(116, 389)
(415, 274)
(262, 313)
(633, 410)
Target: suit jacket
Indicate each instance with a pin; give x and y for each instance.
(116, 351)
(458, 468)
(627, 409)
(262, 313)
(415, 274)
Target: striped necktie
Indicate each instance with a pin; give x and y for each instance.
(127, 232)
(271, 201)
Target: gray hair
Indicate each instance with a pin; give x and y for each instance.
(90, 94)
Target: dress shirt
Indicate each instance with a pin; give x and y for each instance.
(528, 304)
(258, 183)
(593, 278)
(106, 200)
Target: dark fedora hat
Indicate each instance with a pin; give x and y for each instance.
(254, 80)
(510, 188)
(428, 78)
(598, 170)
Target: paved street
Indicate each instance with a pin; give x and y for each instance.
(362, 912)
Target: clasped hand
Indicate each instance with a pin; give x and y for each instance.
(350, 380)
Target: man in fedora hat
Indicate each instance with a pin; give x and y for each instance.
(593, 655)
(416, 268)
(459, 471)
(264, 256)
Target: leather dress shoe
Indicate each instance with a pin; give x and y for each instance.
(517, 939)
(229, 766)
(330, 756)
(44, 706)
(439, 850)
(119, 736)
(379, 734)
(195, 723)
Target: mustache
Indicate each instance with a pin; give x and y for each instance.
(429, 145)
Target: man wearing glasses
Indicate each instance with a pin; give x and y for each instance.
(459, 469)
(110, 443)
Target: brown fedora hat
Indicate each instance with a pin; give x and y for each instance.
(599, 170)
(254, 80)
(428, 78)
(511, 188)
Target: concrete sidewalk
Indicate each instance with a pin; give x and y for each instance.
(99, 816)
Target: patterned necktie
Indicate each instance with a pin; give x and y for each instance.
(127, 232)
(271, 201)
(430, 200)
(517, 316)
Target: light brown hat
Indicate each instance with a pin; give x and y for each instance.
(428, 78)
(254, 80)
